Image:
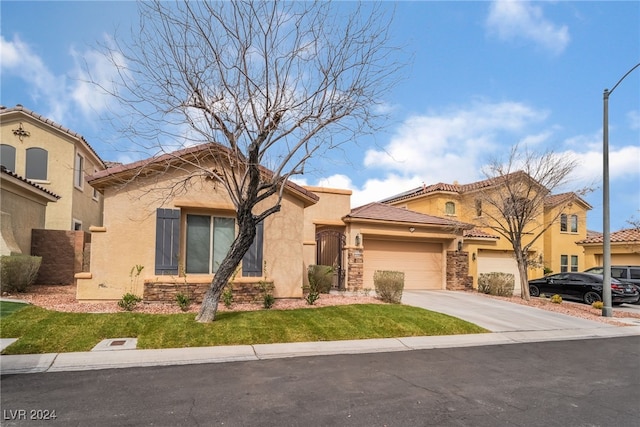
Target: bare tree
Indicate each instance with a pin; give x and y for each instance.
(514, 198)
(273, 83)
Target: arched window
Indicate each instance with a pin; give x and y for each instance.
(450, 208)
(37, 159)
(8, 157)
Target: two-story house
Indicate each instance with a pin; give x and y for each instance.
(58, 160)
(560, 221)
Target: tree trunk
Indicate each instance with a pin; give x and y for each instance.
(524, 280)
(246, 235)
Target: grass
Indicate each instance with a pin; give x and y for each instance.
(45, 331)
(8, 307)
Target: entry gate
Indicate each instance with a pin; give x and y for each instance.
(329, 251)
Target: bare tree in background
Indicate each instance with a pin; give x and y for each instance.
(519, 187)
(275, 83)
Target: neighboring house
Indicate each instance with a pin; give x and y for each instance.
(487, 250)
(568, 212)
(625, 248)
(178, 238)
(56, 159)
(24, 205)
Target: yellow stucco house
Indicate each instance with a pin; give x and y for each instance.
(56, 159)
(562, 221)
(625, 248)
(155, 243)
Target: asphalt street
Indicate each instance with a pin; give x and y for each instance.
(562, 383)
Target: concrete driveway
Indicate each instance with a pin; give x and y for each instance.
(495, 315)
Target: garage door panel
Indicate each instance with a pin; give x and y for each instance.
(421, 262)
(499, 262)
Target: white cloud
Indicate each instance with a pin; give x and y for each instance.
(18, 59)
(513, 19)
(634, 119)
(448, 146)
(623, 164)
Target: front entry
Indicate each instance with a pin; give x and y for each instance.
(329, 251)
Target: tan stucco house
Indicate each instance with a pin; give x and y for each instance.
(23, 209)
(56, 159)
(177, 237)
(563, 217)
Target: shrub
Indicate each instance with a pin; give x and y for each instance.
(268, 300)
(183, 301)
(320, 278)
(312, 297)
(556, 299)
(389, 285)
(597, 305)
(129, 301)
(499, 284)
(18, 272)
(227, 296)
(266, 292)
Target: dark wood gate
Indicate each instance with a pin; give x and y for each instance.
(329, 251)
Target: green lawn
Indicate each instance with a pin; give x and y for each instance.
(45, 331)
(8, 307)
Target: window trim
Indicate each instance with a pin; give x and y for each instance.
(563, 223)
(573, 220)
(450, 208)
(564, 263)
(574, 266)
(78, 171)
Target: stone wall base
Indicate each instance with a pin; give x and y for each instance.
(166, 291)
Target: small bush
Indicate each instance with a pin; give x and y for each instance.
(389, 285)
(266, 293)
(598, 305)
(311, 298)
(498, 284)
(556, 299)
(129, 301)
(320, 278)
(268, 300)
(183, 301)
(227, 296)
(18, 272)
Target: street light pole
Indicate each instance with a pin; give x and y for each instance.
(607, 309)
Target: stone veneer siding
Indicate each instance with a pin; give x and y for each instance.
(165, 291)
(355, 269)
(458, 278)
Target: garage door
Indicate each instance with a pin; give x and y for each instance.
(421, 262)
(499, 262)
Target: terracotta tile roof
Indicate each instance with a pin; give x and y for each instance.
(455, 188)
(26, 181)
(478, 233)
(557, 199)
(621, 236)
(119, 173)
(381, 212)
(19, 108)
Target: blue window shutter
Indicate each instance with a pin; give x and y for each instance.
(252, 260)
(167, 241)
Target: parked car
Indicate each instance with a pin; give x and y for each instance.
(624, 273)
(586, 287)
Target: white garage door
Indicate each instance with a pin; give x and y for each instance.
(421, 262)
(499, 262)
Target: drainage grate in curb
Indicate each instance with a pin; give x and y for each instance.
(112, 344)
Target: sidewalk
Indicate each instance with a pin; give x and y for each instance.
(509, 323)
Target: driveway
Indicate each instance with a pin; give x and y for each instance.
(495, 315)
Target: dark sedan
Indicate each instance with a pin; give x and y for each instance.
(585, 287)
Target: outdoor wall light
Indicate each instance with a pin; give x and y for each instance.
(473, 256)
(357, 239)
(412, 229)
(459, 245)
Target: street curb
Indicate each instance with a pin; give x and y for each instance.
(83, 361)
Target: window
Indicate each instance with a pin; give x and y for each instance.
(450, 208)
(78, 179)
(8, 157)
(634, 273)
(208, 241)
(574, 223)
(37, 159)
(619, 273)
(478, 207)
(574, 262)
(95, 192)
(563, 222)
(564, 263)
(77, 225)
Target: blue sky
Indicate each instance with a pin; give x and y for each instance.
(483, 76)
